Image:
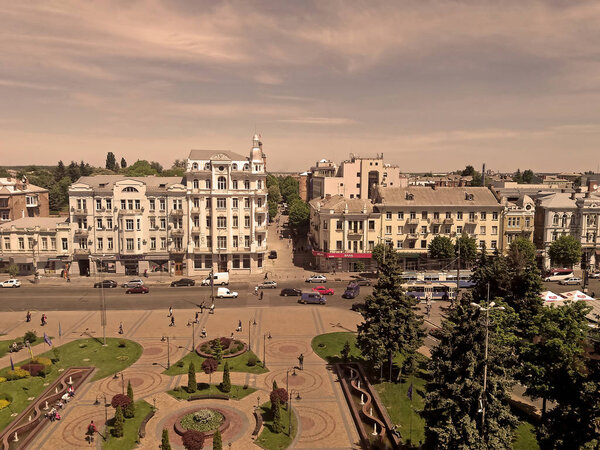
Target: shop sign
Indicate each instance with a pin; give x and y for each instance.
(341, 254)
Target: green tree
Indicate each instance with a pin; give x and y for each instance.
(173, 172)
(165, 444)
(272, 180)
(217, 350)
(455, 391)
(217, 441)
(277, 424)
(522, 251)
(209, 366)
(140, 168)
(4, 173)
(468, 248)
(192, 384)
(380, 251)
(123, 163)
(59, 172)
(518, 176)
(390, 324)
(179, 164)
(346, 351)
(299, 214)
(565, 251)
(129, 409)
(272, 210)
(13, 270)
(290, 189)
(73, 171)
(111, 161)
(441, 247)
(119, 422)
(58, 195)
(528, 176)
(274, 194)
(226, 384)
(156, 166)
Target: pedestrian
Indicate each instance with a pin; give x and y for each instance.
(172, 321)
(197, 315)
(120, 327)
(261, 294)
(28, 316)
(232, 335)
(202, 308)
(44, 319)
(255, 290)
(593, 294)
(68, 278)
(203, 332)
(239, 327)
(301, 361)
(212, 309)
(266, 275)
(170, 311)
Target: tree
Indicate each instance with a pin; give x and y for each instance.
(565, 251)
(140, 168)
(552, 362)
(468, 171)
(346, 351)
(73, 171)
(111, 161)
(120, 400)
(518, 177)
(277, 424)
(522, 251)
(290, 189)
(226, 383)
(119, 422)
(85, 169)
(217, 440)
(390, 324)
(468, 248)
(165, 444)
(299, 213)
(129, 410)
(173, 172)
(278, 395)
(454, 393)
(528, 176)
(441, 247)
(272, 180)
(58, 195)
(179, 164)
(192, 384)
(59, 171)
(156, 166)
(193, 440)
(379, 252)
(273, 193)
(217, 350)
(209, 366)
(275, 385)
(13, 270)
(272, 210)
(123, 163)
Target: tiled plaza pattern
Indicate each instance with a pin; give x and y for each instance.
(325, 422)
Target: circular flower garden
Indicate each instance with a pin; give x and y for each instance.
(229, 348)
(205, 420)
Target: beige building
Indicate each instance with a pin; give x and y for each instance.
(18, 199)
(343, 233)
(36, 244)
(517, 219)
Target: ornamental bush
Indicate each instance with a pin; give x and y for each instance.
(34, 369)
(41, 360)
(121, 401)
(252, 361)
(165, 444)
(17, 374)
(129, 410)
(279, 394)
(192, 384)
(119, 421)
(30, 336)
(193, 440)
(226, 384)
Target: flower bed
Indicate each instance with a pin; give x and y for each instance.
(210, 419)
(231, 348)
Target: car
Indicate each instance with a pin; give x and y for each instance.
(106, 284)
(571, 280)
(273, 254)
(226, 293)
(137, 290)
(316, 278)
(312, 297)
(12, 283)
(268, 285)
(361, 282)
(293, 292)
(324, 290)
(183, 282)
(351, 291)
(133, 283)
(594, 275)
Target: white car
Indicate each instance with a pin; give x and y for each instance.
(268, 285)
(12, 283)
(594, 275)
(571, 280)
(133, 283)
(316, 278)
(226, 293)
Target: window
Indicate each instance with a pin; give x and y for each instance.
(209, 202)
(207, 166)
(139, 243)
(423, 229)
(483, 215)
(152, 204)
(399, 229)
(564, 221)
(196, 202)
(471, 216)
(246, 166)
(494, 216)
(129, 224)
(163, 223)
(129, 243)
(221, 183)
(494, 231)
(162, 204)
(138, 224)
(98, 204)
(528, 222)
(324, 224)
(44, 243)
(339, 245)
(235, 203)
(208, 261)
(221, 203)
(123, 204)
(259, 184)
(247, 241)
(196, 184)
(246, 261)
(398, 244)
(371, 225)
(555, 220)
(247, 221)
(481, 244)
(423, 214)
(259, 239)
(130, 189)
(163, 243)
(371, 245)
(221, 222)
(30, 243)
(235, 261)
(448, 215)
(246, 202)
(138, 204)
(109, 223)
(177, 204)
(436, 215)
(339, 224)
(246, 184)
(207, 184)
(447, 230)
(152, 223)
(482, 230)
(459, 215)
(234, 166)
(494, 244)
(235, 184)
(413, 215)
(388, 215)
(152, 243)
(129, 204)
(53, 243)
(209, 241)
(81, 204)
(208, 222)
(108, 204)
(423, 243)
(459, 229)
(436, 229)
(21, 243)
(400, 215)
(259, 260)
(388, 229)
(236, 223)
(222, 242)
(99, 223)
(64, 244)
(234, 242)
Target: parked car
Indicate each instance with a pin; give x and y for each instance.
(360, 282)
(133, 283)
(219, 278)
(183, 282)
(226, 293)
(312, 297)
(324, 290)
(273, 254)
(351, 291)
(141, 289)
(316, 278)
(12, 283)
(594, 275)
(571, 280)
(268, 285)
(106, 284)
(293, 292)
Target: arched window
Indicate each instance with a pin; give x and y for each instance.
(234, 166)
(196, 184)
(259, 184)
(246, 166)
(564, 220)
(130, 189)
(207, 184)
(555, 219)
(207, 166)
(195, 166)
(221, 183)
(246, 184)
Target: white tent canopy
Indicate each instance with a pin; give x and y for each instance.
(549, 296)
(576, 295)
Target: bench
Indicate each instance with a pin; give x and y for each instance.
(142, 430)
(20, 346)
(259, 423)
(208, 396)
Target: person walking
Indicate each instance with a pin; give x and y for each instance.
(266, 275)
(44, 319)
(255, 290)
(203, 332)
(120, 327)
(196, 320)
(261, 294)
(172, 321)
(239, 327)
(202, 308)
(301, 361)
(28, 316)
(170, 311)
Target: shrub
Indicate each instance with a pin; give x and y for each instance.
(192, 384)
(165, 444)
(3, 403)
(277, 424)
(34, 369)
(30, 336)
(280, 395)
(225, 342)
(346, 351)
(193, 440)
(2, 379)
(122, 343)
(16, 374)
(217, 441)
(13, 270)
(119, 421)
(41, 360)
(56, 354)
(83, 345)
(129, 410)
(120, 401)
(209, 366)
(226, 384)
(252, 361)
(179, 364)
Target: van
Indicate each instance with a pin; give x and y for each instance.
(558, 275)
(312, 297)
(219, 278)
(226, 293)
(352, 291)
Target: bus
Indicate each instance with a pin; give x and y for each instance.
(558, 274)
(435, 277)
(435, 291)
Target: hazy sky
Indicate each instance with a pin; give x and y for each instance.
(433, 85)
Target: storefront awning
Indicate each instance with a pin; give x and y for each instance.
(341, 254)
(21, 259)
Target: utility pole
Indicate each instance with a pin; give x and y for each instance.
(249, 327)
(458, 271)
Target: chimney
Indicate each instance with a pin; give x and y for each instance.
(592, 186)
(483, 175)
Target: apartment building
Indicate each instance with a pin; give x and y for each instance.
(18, 199)
(356, 177)
(343, 232)
(36, 244)
(517, 220)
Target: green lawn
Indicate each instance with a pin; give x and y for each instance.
(329, 346)
(236, 364)
(108, 360)
(525, 438)
(237, 392)
(269, 440)
(5, 343)
(130, 430)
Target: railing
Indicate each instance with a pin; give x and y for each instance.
(412, 221)
(81, 251)
(81, 232)
(78, 211)
(177, 232)
(448, 221)
(176, 212)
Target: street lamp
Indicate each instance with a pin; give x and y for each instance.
(290, 409)
(485, 358)
(163, 339)
(249, 344)
(265, 348)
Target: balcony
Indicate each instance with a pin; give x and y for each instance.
(195, 210)
(176, 212)
(131, 212)
(436, 221)
(32, 204)
(78, 211)
(261, 209)
(355, 235)
(131, 251)
(81, 232)
(196, 229)
(177, 232)
(413, 236)
(177, 250)
(448, 221)
(81, 251)
(472, 220)
(414, 221)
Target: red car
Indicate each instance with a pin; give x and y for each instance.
(323, 290)
(137, 290)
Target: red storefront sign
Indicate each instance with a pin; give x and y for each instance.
(341, 255)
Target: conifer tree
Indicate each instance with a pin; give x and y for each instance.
(217, 441)
(226, 384)
(277, 424)
(192, 384)
(129, 409)
(165, 444)
(119, 422)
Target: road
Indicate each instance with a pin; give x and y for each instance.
(79, 298)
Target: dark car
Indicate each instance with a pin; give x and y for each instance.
(106, 284)
(273, 254)
(362, 281)
(352, 291)
(290, 292)
(137, 290)
(183, 282)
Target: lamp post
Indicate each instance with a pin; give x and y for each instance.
(485, 357)
(264, 350)
(290, 409)
(163, 339)
(105, 410)
(287, 378)
(249, 327)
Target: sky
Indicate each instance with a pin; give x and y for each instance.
(433, 85)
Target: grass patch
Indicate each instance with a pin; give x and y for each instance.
(329, 346)
(4, 344)
(270, 440)
(525, 438)
(107, 360)
(237, 392)
(130, 430)
(236, 364)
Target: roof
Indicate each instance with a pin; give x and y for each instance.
(14, 186)
(440, 196)
(340, 204)
(110, 180)
(559, 200)
(210, 154)
(31, 222)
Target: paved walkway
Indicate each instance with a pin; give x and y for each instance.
(325, 421)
